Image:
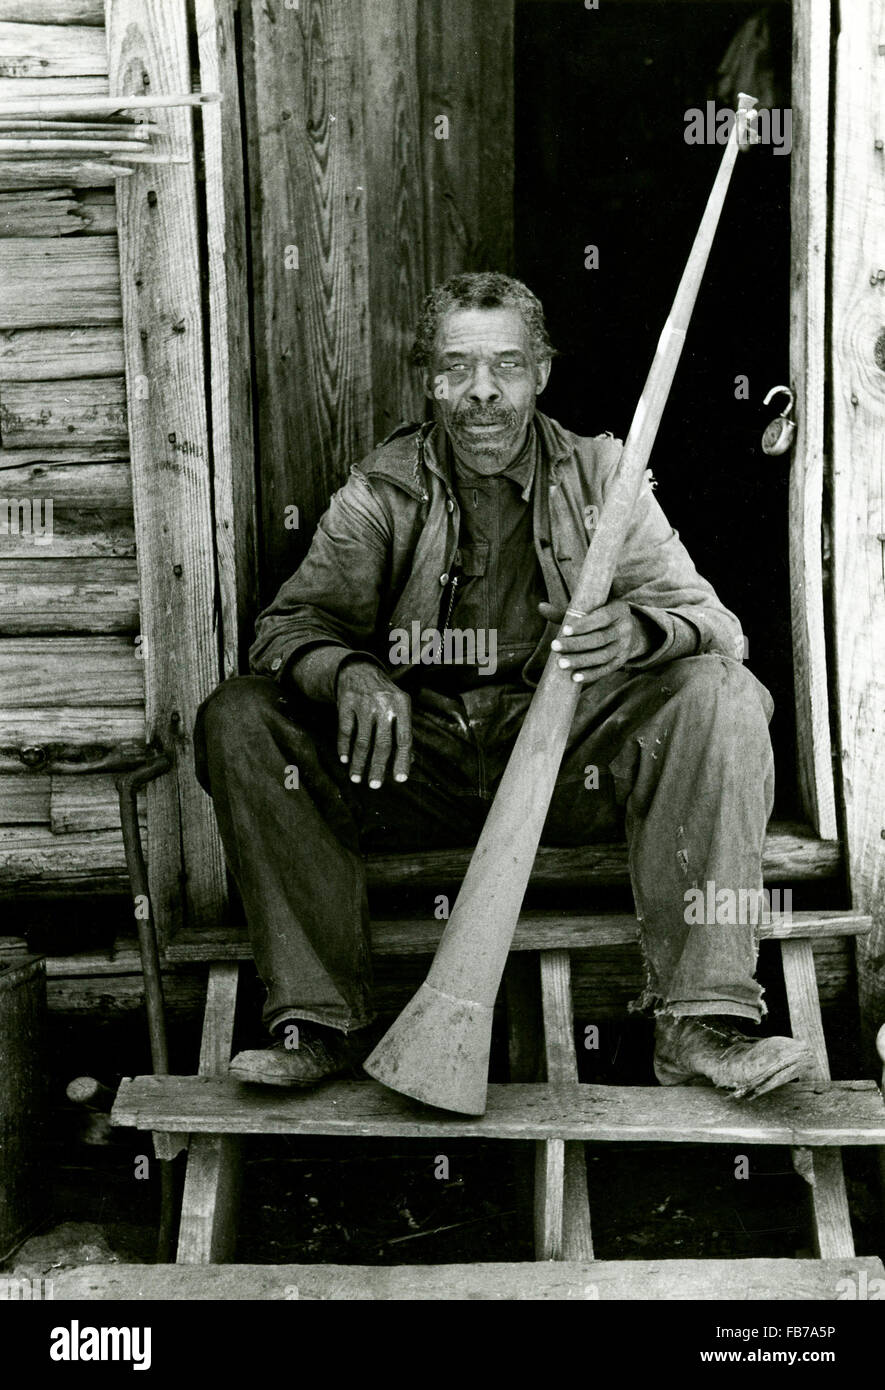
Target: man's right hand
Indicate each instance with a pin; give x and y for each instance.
(374, 720)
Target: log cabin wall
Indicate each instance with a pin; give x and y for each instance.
(71, 684)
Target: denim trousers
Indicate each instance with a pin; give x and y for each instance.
(676, 757)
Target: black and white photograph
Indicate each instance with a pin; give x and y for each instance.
(442, 670)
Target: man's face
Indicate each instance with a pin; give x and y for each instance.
(483, 382)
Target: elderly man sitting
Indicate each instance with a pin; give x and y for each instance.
(370, 721)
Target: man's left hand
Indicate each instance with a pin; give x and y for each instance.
(599, 643)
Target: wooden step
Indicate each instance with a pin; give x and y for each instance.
(792, 854)
(537, 931)
(823, 1113)
(711, 1280)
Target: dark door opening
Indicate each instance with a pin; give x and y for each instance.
(602, 160)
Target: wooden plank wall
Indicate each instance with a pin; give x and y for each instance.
(71, 702)
(808, 319)
(858, 454)
(163, 339)
(358, 208)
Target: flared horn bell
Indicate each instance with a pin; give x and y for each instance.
(437, 1051)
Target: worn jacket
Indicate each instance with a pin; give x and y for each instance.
(383, 554)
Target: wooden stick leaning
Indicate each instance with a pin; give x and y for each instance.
(72, 105)
(437, 1050)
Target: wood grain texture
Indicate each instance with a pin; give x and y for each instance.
(42, 414)
(75, 531)
(66, 453)
(573, 1240)
(98, 206)
(81, 595)
(70, 282)
(233, 450)
(24, 800)
(548, 931)
(600, 1280)
(847, 1112)
(82, 804)
(120, 959)
(548, 1205)
(312, 324)
(12, 89)
(52, 50)
(24, 1099)
(395, 149)
(54, 11)
(808, 308)
(30, 214)
(72, 739)
(465, 63)
(170, 452)
(102, 997)
(76, 672)
(38, 862)
(21, 173)
(106, 486)
(823, 1170)
(792, 854)
(50, 354)
(858, 391)
(207, 1234)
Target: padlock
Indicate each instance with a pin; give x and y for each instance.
(779, 435)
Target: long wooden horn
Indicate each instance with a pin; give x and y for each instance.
(437, 1050)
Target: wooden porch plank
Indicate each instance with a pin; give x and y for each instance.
(822, 1170)
(603, 1280)
(858, 427)
(536, 931)
(792, 854)
(562, 1229)
(837, 1113)
(170, 451)
(808, 261)
(207, 1234)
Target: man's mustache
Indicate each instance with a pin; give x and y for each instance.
(485, 417)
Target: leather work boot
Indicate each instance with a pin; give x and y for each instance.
(318, 1055)
(694, 1051)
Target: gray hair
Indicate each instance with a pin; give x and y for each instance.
(486, 289)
